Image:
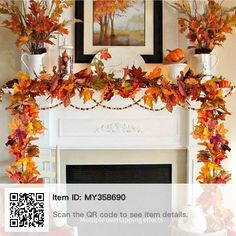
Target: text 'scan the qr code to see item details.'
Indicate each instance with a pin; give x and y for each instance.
(26, 210)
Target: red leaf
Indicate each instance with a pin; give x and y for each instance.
(182, 88)
(16, 176)
(137, 73)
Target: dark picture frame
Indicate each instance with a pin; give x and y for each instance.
(156, 57)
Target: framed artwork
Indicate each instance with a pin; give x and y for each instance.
(136, 24)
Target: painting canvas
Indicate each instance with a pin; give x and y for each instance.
(119, 23)
(135, 24)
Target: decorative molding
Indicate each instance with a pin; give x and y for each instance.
(71, 131)
(118, 128)
(145, 127)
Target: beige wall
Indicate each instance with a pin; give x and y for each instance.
(10, 63)
(226, 67)
(5, 158)
(9, 55)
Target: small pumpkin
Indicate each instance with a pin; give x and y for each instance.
(224, 84)
(175, 55)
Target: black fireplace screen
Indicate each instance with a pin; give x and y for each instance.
(132, 173)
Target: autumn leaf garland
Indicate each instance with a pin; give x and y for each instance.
(211, 131)
(26, 126)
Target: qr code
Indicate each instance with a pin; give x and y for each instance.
(26, 211)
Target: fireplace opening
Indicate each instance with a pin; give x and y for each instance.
(125, 173)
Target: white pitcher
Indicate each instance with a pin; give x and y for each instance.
(204, 64)
(33, 63)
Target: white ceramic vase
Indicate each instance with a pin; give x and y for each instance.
(34, 64)
(174, 70)
(204, 64)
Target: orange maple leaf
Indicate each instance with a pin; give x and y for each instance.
(156, 73)
(105, 54)
(201, 132)
(15, 124)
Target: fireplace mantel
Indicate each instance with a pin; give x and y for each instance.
(131, 129)
(134, 128)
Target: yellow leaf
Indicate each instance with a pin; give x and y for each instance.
(220, 93)
(87, 94)
(22, 40)
(205, 134)
(22, 76)
(30, 128)
(166, 91)
(22, 161)
(148, 100)
(31, 167)
(201, 132)
(35, 127)
(15, 124)
(213, 166)
(16, 88)
(221, 130)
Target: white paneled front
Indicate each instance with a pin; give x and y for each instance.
(133, 128)
(118, 128)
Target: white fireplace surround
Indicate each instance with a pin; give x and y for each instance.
(107, 133)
